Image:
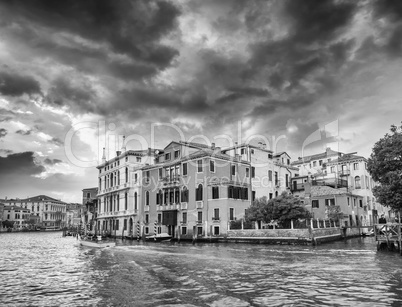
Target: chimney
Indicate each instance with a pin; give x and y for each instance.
(118, 153)
(104, 155)
(213, 146)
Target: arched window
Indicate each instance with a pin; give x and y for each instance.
(147, 198)
(125, 201)
(357, 182)
(176, 196)
(184, 195)
(135, 201)
(111, 179)
(276, 194)
(198, 193)
(126, 174)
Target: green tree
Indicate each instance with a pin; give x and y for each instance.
(385, 167)
(283, 208)
(260, 210)
(8, 224)
(286, 207)
(334, 213)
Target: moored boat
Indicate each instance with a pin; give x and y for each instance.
(159, 237)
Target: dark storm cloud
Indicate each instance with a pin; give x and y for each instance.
(52, 161)
(20, 163)
(24, 132)
(3, 132)
(391, 10)
(12, 84)
(133, 28)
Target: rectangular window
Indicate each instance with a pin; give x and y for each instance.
(216, 214)
(184, 196)
(199, 231)
(159, 218)
(252, 151)
(233, 170)
(242, 151)
(146, 230)
(314, 203)
(176, 196)
(314, 163)
(125, 224)
(269, 156)
(330, 202)
(199, 217)
(231, 214)
(355, 166)
(247, 172)
(348, 202)
(199, 166)
(117, 224)
(183, 230)
(177, 154)
(139, 159)
(361, 203)
(270, 195)
(212, 166)
(270, 175)
(198, 193)
(287, 180)
(184, 169)
(252, 172)
(146, 218)
(215, 192)
(135, 177)
(167, 156)
(354, 202)
(320, 162)
(160, 173)
(216, 231)
(332, 169)
(184, 215)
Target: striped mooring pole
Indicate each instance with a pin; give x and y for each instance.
(138, 230)
(155, 230)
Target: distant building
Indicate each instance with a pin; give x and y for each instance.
(346, 172)
(51, 212)
(1, 213)
(89, 204)
(17, 215)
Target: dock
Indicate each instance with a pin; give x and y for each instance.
(388, 236)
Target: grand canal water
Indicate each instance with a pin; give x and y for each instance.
(44, 269)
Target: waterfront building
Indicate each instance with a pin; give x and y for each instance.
(1, 214)
(51, 212)
(89, 204)
(119, 190)
(194, 191)
(18, 215)
(187, 189)
(347, 172)
(270, 172)
(318, 198)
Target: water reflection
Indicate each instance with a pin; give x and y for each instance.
(45, 269)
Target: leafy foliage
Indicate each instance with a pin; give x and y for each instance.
(334, 213)
(283, 209)
(385, 166)
(8, 224)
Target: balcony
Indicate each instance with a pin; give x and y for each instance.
(199, 222)
(183, 222)
(199, 204)
(146, 208)
(345, 172)
(183, 206)
(297, 187)
(331, 182)
(171, 180)
(216, 219)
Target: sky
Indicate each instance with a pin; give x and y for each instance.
(299, 76)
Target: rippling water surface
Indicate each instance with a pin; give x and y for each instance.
(44, 269)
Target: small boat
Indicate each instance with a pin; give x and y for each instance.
(160, 237)
(96, 243)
